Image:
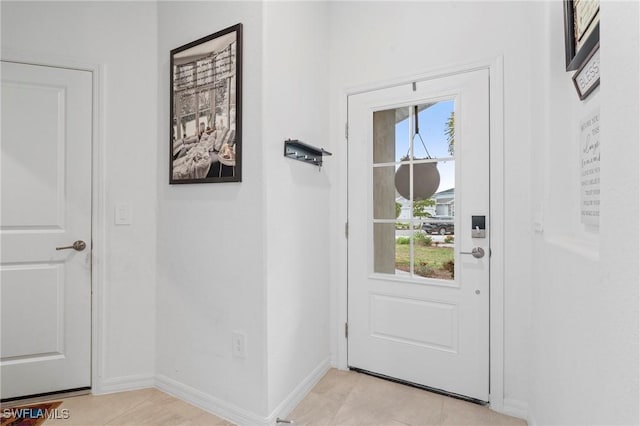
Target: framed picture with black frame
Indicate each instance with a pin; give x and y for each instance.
(581, 30)
(206, 109)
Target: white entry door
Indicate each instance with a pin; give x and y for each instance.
(46, 204)
(418, 307)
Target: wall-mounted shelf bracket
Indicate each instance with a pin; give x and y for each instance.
(300, 151)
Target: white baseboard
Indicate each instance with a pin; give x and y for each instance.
(300, 392)
(123, 384)
(209, 403)
(234, 413)
(516, 408)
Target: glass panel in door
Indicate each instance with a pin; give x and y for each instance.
(414, 191)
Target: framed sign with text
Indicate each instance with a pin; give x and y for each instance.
(587, 78)
(590, 169)
(581, 30)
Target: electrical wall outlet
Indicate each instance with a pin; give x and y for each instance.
(238, 345)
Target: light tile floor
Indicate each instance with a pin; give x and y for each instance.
(349, 398)
(340, 398)
(142, 407)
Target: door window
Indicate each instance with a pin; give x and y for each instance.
(413, 191)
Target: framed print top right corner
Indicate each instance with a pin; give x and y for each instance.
(581, 30)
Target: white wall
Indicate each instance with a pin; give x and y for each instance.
(257, 257)
(296, 106)
(211, 238)
(584, 367)
(249, 257)
(120, 37)
(379, 41)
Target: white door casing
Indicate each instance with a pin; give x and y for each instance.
(424, 331)
(46, 203)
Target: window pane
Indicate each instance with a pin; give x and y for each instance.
(390, 135)
(435, 125)
(384, 248)
(385, 205)
(435, 245)
(433, 256)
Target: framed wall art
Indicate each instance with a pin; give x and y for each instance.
(206, 109)
(581, 30)
(587, 78)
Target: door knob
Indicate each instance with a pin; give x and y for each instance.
(77, 246)
(477, 252)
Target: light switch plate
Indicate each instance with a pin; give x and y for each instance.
(123, 214)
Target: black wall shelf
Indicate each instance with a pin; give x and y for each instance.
(301, 151)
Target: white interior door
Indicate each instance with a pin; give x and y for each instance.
(420, 312)
(46, 203)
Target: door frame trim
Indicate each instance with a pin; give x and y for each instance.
(98, 193)
(496, 184)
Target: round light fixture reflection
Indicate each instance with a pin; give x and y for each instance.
(426, 180)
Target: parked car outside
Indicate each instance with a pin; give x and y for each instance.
(439, 225)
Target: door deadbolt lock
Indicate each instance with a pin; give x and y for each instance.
(478, 227)
(77, 246)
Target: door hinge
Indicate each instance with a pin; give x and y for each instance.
(346, 131)
(346, 330)
(346, 229)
